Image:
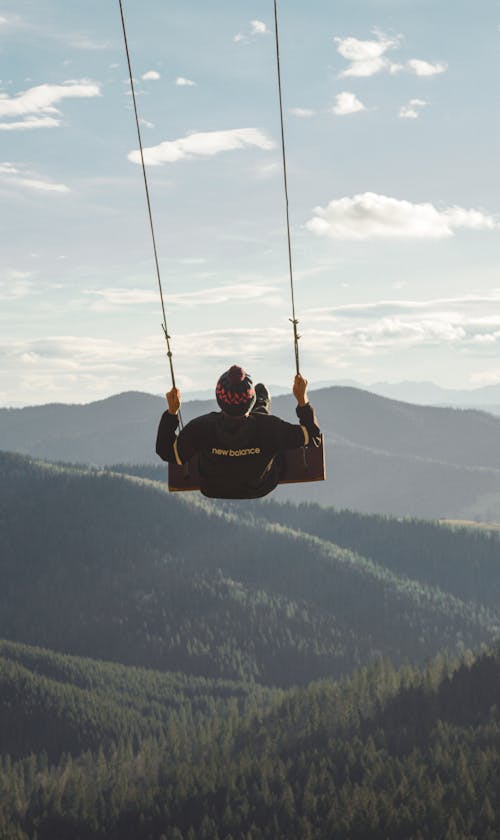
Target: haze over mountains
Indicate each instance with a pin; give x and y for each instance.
(486, 398)
(383, 456)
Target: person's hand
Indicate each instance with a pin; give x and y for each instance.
(174, 401)
(300, 389)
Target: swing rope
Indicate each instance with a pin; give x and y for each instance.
(293, 319)
(148, 201)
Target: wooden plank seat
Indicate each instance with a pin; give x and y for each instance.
(301, 465)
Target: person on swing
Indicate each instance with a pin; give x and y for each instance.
(239, 447)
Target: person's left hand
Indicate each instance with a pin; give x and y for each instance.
(174, 400)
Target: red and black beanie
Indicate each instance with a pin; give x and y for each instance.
(235, 393)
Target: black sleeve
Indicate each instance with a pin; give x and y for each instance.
(171, 447)
(292, 436)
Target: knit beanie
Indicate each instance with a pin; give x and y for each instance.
(235, 393)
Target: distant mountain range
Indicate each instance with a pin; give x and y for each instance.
(428, 393)
(486, 398)
(383, 456)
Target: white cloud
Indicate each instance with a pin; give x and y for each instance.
(412, 109)
(255, 28)
(372, 216)
(45, 186)
(3, 20)
(116, 298)
(399, 307)
(151, 75)
(424, 68)
(302, 112)
(251, 344)
(20, 176)
(347, 103)
(366, 58)
(258, 27)
(203, 144)
(146, 123)
(81, 42)
(491, 377)
(384, 325)
(29, 123)
(42, 100)
(113, 298)
(69, 349)
(181, 81)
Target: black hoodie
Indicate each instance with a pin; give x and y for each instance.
(238, 457)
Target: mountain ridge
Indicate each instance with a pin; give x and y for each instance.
(383, 456)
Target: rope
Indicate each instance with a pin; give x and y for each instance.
(148, 201)
(293, 319)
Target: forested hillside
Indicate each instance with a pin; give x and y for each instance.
(159, 653)
(112, 567)
(383, 456)
(381, 754)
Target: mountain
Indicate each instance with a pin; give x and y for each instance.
(112, 567)
(385, 753)
(67, 704)
(486, 398)
(428, 393)
(383, 456)
(157, 652)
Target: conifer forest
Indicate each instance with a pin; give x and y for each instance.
(173, 668)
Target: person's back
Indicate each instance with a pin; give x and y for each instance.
(239, 448)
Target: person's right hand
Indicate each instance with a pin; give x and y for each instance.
(174, 401)
(300, 389)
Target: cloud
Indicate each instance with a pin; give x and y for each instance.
(383, 325)
(255, 28)
(424, 68)
(82, 42)
(181, 81)
(42, 100)
(151, 75)
(20, 176)
(366, 58)
(412, 109)
(13, 21)
(29, 123)
(203, 144)
(398, 306)
(114, 298)
(372, 216)
(347, 103)
(302, 112)
(258, 27)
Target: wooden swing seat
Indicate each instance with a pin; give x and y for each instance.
(301, 466)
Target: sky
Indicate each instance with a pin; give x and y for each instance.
(391, 121)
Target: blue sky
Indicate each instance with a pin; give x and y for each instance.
(392, 127)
